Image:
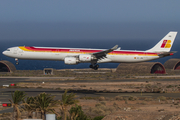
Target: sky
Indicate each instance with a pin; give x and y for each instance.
(132, 24)
(87, 20)
(89, 11)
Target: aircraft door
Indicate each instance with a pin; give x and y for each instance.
(15, 51)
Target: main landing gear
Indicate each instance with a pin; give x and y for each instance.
(17, 62)
(94, 66)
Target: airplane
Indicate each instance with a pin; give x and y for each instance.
(72, 56)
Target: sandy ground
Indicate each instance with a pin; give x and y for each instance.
(130, 110)
(124, 108)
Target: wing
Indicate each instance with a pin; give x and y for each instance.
(99, 55)
(166, 53)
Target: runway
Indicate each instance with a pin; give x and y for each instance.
(10, 80)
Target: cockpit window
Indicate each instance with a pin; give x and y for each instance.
(8, 50)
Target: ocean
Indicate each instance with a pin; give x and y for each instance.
(100, 44)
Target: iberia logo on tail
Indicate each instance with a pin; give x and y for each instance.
(166, 44)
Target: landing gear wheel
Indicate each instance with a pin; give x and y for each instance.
(91, 66)
(16, 59)
(95, 66)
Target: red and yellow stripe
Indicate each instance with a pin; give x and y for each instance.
(84, 51)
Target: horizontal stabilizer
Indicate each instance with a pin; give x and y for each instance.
(167, 54)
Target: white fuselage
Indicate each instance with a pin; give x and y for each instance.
(73, 56)
(59, 54)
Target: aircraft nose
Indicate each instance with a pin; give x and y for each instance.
(4, 52)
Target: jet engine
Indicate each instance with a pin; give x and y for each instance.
(85, 58)
(70, 60)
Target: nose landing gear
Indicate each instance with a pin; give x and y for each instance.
(94, 66)
(17, 62)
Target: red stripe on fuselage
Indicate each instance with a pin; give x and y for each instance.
(74, 50)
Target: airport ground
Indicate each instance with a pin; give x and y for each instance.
(114, 96)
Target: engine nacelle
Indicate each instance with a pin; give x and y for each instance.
(85, 58)
(70, 60)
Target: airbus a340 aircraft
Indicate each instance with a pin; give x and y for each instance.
(73, 56)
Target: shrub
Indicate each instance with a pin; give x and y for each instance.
(101, 109)
(82, 85)
(103, 103)
(76, 113)
(126, 101)
(148, 86)
(98, 105)
(98, 111)
(148, 99)
(132, 98)
(169, 86)
(115, 104)
(98, 118)
(101, 98)
(59, 118)
(119, 98)
(162, 98)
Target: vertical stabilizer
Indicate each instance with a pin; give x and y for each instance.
(165, 44)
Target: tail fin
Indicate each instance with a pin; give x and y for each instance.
(165, 44)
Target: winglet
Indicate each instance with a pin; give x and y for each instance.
(115, 47)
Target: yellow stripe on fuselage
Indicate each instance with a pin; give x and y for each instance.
(23, 48)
